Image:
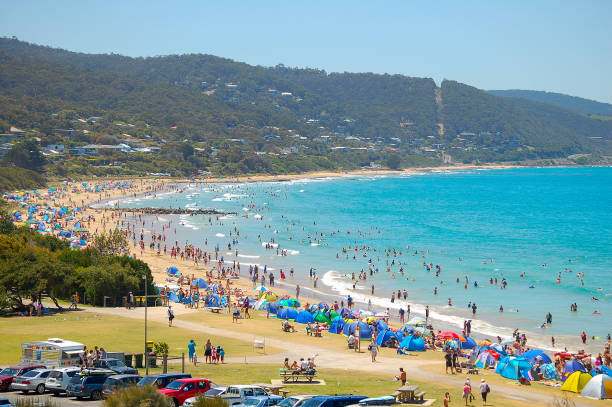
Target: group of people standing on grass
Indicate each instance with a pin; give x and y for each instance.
(212, 354)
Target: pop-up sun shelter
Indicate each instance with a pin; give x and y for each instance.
(321, 317)
(304, 317)
(337, 325)
(200, 283)
(413, 343)
(485, 360)
(516, 368)
(287, 313)
(533, 355)
(599, 387)
(365, 332)
(576, 382)
(572, 366)
(384, 336)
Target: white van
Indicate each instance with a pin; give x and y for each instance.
(59, 378)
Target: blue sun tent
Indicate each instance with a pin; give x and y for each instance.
(413, 343)
(485, 360)
(381, 325)
(384, 336)
(287, 313)
(549, 371)
(214, 300)
(469, 343)
(337, 325)
(516, 368)
(273, 307)
(572, 366)
(365, 332)
(533, 354)
(304, 317)
(344, 312)
(200, 283)
(173, 271)
(173, 297)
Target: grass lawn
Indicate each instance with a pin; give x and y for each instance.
(110, 332)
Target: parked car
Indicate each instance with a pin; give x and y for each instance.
(181, 389)
(32, 380)
(118, 382)
(377, 401)
(237, 394)
(333, 401)
(214, 392)
(162, 380)
(262, 401)
(59, 378)
(115, 365)
(88, 383)
(5, 403)
(7, 375)
(295, 401)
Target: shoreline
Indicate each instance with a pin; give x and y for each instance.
(328, 292)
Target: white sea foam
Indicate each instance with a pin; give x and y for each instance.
(220, 235)
(248, 256)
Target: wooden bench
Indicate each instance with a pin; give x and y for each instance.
(472, 369)
(317, 334)
(419, 396)
(215, 309)
(294, 376)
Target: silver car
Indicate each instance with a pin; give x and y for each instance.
(32, 380)
(58, 379)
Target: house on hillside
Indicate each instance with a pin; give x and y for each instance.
(17, 132)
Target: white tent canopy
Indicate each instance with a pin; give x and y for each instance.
(599, 387)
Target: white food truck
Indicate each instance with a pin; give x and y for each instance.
(53, 353)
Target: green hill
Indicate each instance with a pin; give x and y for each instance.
(243, 118)
(577, 104)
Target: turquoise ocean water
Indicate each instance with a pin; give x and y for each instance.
(500, 223)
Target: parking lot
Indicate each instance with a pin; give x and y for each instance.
(62, 400)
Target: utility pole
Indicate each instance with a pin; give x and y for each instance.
(145, 333)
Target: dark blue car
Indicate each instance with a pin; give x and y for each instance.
(116, 366)
(88, 384)
(333, 401)
(162, 380)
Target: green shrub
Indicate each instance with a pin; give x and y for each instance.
(210, 402)
(137, 396)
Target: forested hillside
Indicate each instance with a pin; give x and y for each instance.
(577, 104)
(205, 113)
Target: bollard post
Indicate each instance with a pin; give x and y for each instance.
(183, 362)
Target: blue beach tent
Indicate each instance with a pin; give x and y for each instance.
(413, 343)
(572, 366)
(485, 360)
(469, 343)
(173, 271)
(384, 336)
(381, 325)
(304, 317)
(365, 332)
(214, 301)
(533, 354)
(273, 307)
(287, 313)
(200, 283)
(337, 325)
(516, 368)
(173, 297)
(549, 371)
(502, 364)
(344, 312)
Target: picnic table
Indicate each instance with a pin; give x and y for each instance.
(294, 375)
(406, 394)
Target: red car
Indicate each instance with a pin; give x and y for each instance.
(181, 389)
(7, 375)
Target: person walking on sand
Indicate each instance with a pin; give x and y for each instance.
(484, 390)
(447, 399)
(297, 291)
(170, 315)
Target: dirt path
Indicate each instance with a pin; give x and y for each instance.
(327, 358)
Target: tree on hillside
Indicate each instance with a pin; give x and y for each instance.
(394, 161)
(111, 243)
(25, 154)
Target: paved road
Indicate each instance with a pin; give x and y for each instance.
(61, 400)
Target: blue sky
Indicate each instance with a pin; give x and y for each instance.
(561, 46)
